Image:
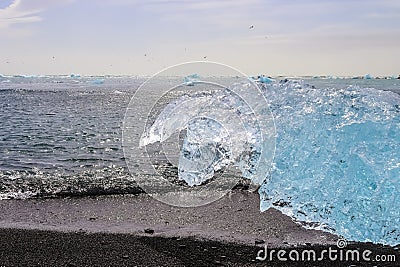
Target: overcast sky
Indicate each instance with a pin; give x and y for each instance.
(310, 37)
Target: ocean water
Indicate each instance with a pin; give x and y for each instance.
(62, 136)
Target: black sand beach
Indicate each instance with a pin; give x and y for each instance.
(136, 230)
(51, 248)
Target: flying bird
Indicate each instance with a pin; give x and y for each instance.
(251, 27)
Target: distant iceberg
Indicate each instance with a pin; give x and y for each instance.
(97, 81)
(261, 79)
(265, 79)
(190, 80)
(20, 76)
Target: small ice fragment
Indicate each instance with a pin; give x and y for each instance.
(264, 79)
(97, 81)
(190, 80)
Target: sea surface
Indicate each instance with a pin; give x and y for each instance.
(62, 135)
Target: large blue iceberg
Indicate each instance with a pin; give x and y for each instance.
(337, 161)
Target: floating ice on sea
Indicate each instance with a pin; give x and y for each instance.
(264, 79)
(75, 75)
(190, 80)
(368, 76)
(337, 160)
(97, 81)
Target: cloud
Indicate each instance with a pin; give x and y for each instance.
(211, 5)
(187, 4)
(26, 11)
(223, 14)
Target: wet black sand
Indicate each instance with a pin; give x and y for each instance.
(50, 248)
(137, 230)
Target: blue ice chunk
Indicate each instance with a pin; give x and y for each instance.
(75, 75)
(265, 79)
(337, 161)
(261, 79)
(368, 76)
(190, 80)
(97, 81)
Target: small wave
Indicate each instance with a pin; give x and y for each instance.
(37, 183)
(43, 145)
